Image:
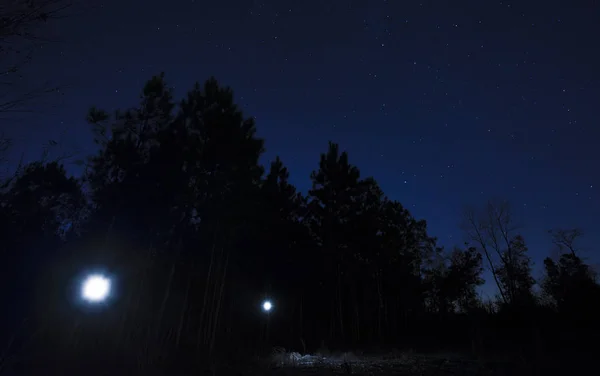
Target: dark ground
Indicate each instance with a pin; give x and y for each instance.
(400, 363)
(408, 363)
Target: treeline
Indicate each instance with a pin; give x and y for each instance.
(195, 232)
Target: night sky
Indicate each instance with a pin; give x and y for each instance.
(445, 103)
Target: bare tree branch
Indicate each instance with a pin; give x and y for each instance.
(21, 23)
(20, 18)
(478, 232)
(565, 239)
(494, 231)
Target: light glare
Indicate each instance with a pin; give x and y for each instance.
(95, 288)
(267, 306)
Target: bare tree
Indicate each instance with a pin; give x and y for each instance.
(565, 239)
(21, 32)
(494, 232)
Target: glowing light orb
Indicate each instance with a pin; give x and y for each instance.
(95, 288)
(267, 306)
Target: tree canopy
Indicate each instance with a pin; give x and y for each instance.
(176, 203)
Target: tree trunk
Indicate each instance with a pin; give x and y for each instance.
(356, 329)
(379, 307)
(206, 290)
(332, 320)
(301, 326)
(166, 296)
(340, 302)
(494, 273)
(218, 305)
(184, 309)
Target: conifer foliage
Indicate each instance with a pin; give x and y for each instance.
(176, 204)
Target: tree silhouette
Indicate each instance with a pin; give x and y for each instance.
(494, 232)
(40, 209)
(565, 239)
(176, 204)
(183, 187)
(451, 283)
(278, 228)
(515, 272)
(371, 249)
(571, 284)
(335, 185)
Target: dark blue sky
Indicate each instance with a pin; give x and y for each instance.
(445, 103)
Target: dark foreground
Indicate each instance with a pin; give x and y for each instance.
(406, 363)
(294, 364)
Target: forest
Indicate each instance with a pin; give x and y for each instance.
(176, 206)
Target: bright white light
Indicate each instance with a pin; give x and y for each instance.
(267, 306)
(95, 288)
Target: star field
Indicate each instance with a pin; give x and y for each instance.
(444, 103)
